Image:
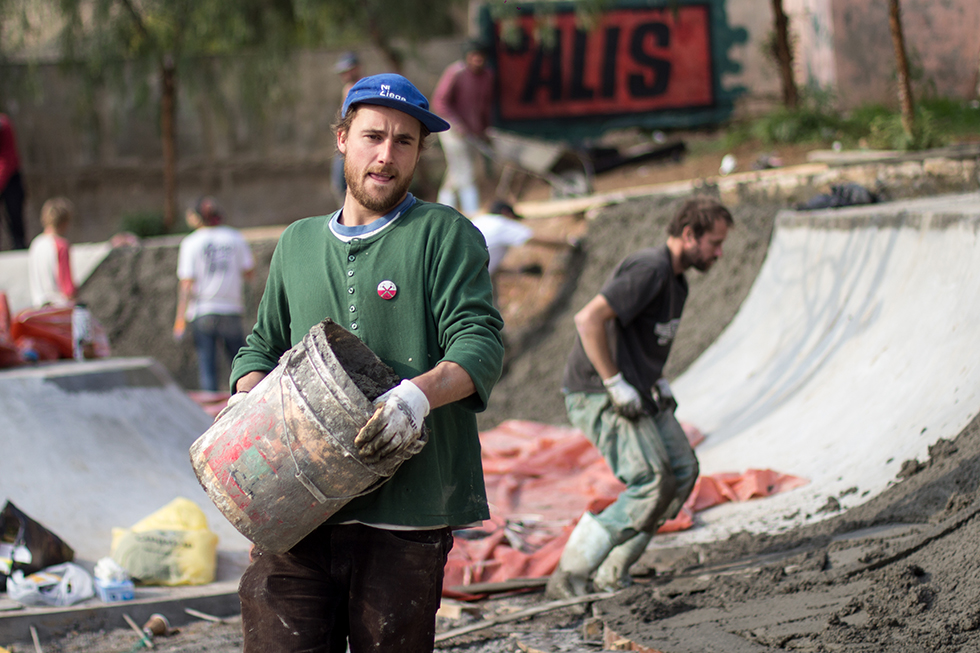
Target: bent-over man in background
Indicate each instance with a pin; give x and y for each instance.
(616, 394)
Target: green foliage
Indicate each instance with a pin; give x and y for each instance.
(122, 29)
(957, 118)
(806, 125)
(888, 133)
(388, 25)
(143, 223)
(939, 121)
(123, 40)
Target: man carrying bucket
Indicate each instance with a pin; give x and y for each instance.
(409, 278)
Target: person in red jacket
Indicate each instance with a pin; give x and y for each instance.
(464, 95)
(11, 185)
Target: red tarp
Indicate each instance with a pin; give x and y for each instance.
(540, 479)
(43, 334)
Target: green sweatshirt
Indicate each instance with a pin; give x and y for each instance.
(442, 310)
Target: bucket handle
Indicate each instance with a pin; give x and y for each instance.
(303, 479)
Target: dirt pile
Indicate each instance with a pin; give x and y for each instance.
(133, 294)
(895, 574)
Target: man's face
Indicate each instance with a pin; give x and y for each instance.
(475, 60)
(701, 253)
(380, 150)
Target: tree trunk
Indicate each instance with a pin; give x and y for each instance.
(168, 134)
(784, 55)
(902, 62)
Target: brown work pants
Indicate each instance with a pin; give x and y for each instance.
(379, 589)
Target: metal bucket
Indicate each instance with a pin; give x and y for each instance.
(281, 461)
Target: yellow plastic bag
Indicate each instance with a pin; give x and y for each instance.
(172, 546)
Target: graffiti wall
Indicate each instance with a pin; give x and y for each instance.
(652, 65)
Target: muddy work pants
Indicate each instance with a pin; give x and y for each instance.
(377, 589)
(651, 455)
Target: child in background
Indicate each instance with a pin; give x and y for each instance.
(48, 259)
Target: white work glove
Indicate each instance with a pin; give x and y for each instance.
(395, 428)
(232, 400)
(664, 396)
(625, 398)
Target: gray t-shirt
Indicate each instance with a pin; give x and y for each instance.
(648, 299)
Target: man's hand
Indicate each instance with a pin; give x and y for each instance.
(664, 396)
(232, 400)
(249, 381)
(396, 426)
(625, 398)
(180, 326)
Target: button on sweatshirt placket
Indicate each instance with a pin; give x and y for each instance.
(353, 248)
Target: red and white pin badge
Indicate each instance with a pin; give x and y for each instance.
(387, 289)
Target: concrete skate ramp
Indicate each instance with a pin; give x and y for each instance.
(100, 444)
(856, 349)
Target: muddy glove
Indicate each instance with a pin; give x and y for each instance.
(625, 398)
(396, 426)
(664, 396)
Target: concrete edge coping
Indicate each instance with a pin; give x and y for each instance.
(788, 176)
(219, 599)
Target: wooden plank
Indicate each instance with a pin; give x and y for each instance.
(529, 612)
(502, 586)
(615, 642)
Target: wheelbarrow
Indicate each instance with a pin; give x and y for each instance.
(569, 172)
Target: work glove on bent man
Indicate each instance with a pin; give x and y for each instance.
(663, 396)
(625, 398)
(396, 427)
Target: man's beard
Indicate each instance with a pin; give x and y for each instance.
(696, 261)
(385, 199)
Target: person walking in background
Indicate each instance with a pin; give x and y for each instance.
(11, 184)
(464, 96)
(213, 263)
(49, 257)
(616, 394)
(348, 66)
(409, 279)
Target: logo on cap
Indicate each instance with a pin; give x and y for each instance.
(387, 289)
(386, 92)
(396, 92)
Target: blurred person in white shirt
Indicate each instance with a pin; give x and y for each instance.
(213, 264)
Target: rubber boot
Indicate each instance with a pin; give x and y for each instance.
(613, 573)
(587, 546)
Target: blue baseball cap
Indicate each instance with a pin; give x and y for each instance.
(391, 90)
(347, 61)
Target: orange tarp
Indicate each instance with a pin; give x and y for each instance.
(541, 479)
(43, 334)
